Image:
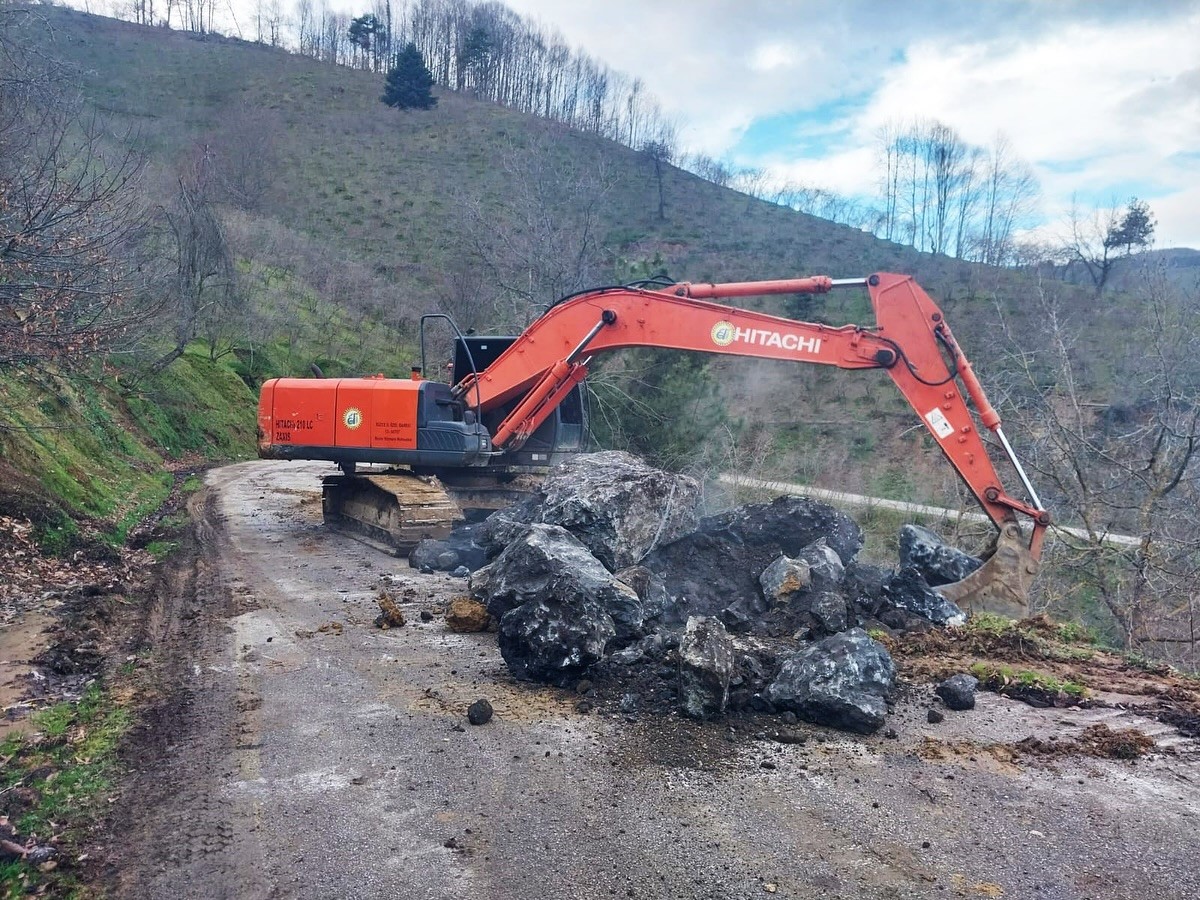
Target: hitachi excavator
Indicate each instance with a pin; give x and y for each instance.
(514, 406)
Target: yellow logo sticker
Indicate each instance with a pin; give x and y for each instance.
(352, 417)
(723, 333)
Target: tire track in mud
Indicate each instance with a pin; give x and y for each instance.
(179, 829)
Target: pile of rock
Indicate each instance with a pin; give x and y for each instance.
(611, 572)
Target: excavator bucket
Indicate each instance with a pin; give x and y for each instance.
(392, 512)
(1001, 585)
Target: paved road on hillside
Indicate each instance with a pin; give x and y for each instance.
(299, 752)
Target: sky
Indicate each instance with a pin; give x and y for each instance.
(1101, 98)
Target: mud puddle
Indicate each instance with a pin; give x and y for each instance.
(20, 643)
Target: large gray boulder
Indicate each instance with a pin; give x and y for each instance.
(785, 579)
(938, 562)
(705, 667)
(619, 507)
(505, 525)
(843, 681)
(825, 568)
(546, 564)
(907, 591)
(555, 640)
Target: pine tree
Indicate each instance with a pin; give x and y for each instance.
(408, 82)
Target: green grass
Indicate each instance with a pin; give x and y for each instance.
(1001, 678)
(68, 763)
(161, 549)
(101, 453)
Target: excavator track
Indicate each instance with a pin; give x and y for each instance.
(392, 512)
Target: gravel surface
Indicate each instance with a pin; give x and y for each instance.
(299, 751)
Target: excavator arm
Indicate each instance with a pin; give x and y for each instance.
(910, 340)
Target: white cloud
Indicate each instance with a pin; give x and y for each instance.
(1114, 87)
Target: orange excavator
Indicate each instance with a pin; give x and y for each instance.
(515, 405)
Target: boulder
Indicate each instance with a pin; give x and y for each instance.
(936, 561)
(843, 681)
(546, 564)
(723, 559)
(863, 587)
(619, 507)
(505, 525)
(459, 548)
(466, 615)
(555, 639)
(825, 568)
(784, 579)
(906, 590)
(958, 691)
(649, 588)
(705, 667)
(829, 611)
(742, 613)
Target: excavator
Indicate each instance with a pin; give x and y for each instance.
(514, 405)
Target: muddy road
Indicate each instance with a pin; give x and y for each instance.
(298, 751)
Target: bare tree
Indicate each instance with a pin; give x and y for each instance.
(552, 247)
(1009, 193)
(243, 159)
(1096, 241)
(659, 154)
(205, 288)
(1120, 457)
(940, 194)
(69, 210)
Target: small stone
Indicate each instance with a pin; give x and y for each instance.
(935, 716)
(770, 887)
(479, 712)
(629, 703)
(461, 572)
(766, 764)
(583, 687)
(584, 707)
(390, 615)
(426, 616)
(958, 691)
(465, 615)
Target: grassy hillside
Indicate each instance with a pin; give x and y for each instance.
(98, 453)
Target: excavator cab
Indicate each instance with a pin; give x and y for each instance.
(565, 429)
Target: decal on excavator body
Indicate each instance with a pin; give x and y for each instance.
(726, 333)
(939, 423)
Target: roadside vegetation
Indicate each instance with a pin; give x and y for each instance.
(57, 780)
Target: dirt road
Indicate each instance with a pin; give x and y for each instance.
(301, 752)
